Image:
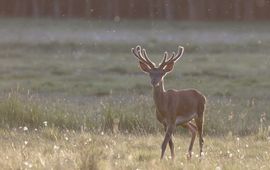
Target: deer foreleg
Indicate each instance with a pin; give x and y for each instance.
(171, 144)
(168, 139)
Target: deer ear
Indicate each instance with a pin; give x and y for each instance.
(169, 67)
(144, 67)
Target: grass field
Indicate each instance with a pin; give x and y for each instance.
(52, 149)
(73, 97)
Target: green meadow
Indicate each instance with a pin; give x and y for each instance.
(72, 95)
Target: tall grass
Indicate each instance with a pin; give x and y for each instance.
(21, 110)
(18, 110)
(126, 115)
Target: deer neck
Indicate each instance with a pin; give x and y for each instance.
(159, 95)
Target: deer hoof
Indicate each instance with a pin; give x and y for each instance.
(189, 154)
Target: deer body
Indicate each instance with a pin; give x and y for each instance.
(173, 107)
(178, 107)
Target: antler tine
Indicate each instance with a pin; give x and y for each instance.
(164, 59)
(151, 64)
(173, 58)
(142, 56)
(135, 51)
(165, 62)
(179, 53)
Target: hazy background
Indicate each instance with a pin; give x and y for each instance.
(207, 10)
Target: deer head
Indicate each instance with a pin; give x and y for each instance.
(156, 73)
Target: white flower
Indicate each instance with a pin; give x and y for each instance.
(55, 147)
(218, 168)
(28, 164)
(45, 123)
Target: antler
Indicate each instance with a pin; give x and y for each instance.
(142, 56)
(173, 58)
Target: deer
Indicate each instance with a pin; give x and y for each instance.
(173, 107)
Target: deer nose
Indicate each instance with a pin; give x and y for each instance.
(154, 82)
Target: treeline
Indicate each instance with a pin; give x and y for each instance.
(139, 9)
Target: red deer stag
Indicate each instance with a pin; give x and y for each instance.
(173, 107)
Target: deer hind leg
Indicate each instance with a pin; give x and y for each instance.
(193, 129)
(171, 147)
(168, 139)
(199, 122)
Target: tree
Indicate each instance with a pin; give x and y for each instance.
(88, 9)
(151, 9)
(193, 9)
(212, 9)
(159, 7)
(237, 9)
(20, 8)
(116, 10)
(168, 9)
(56, 9)
(249, 10)
(35, 9)
(70, 7)
(131, 6)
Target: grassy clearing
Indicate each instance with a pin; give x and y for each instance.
(72, 96)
